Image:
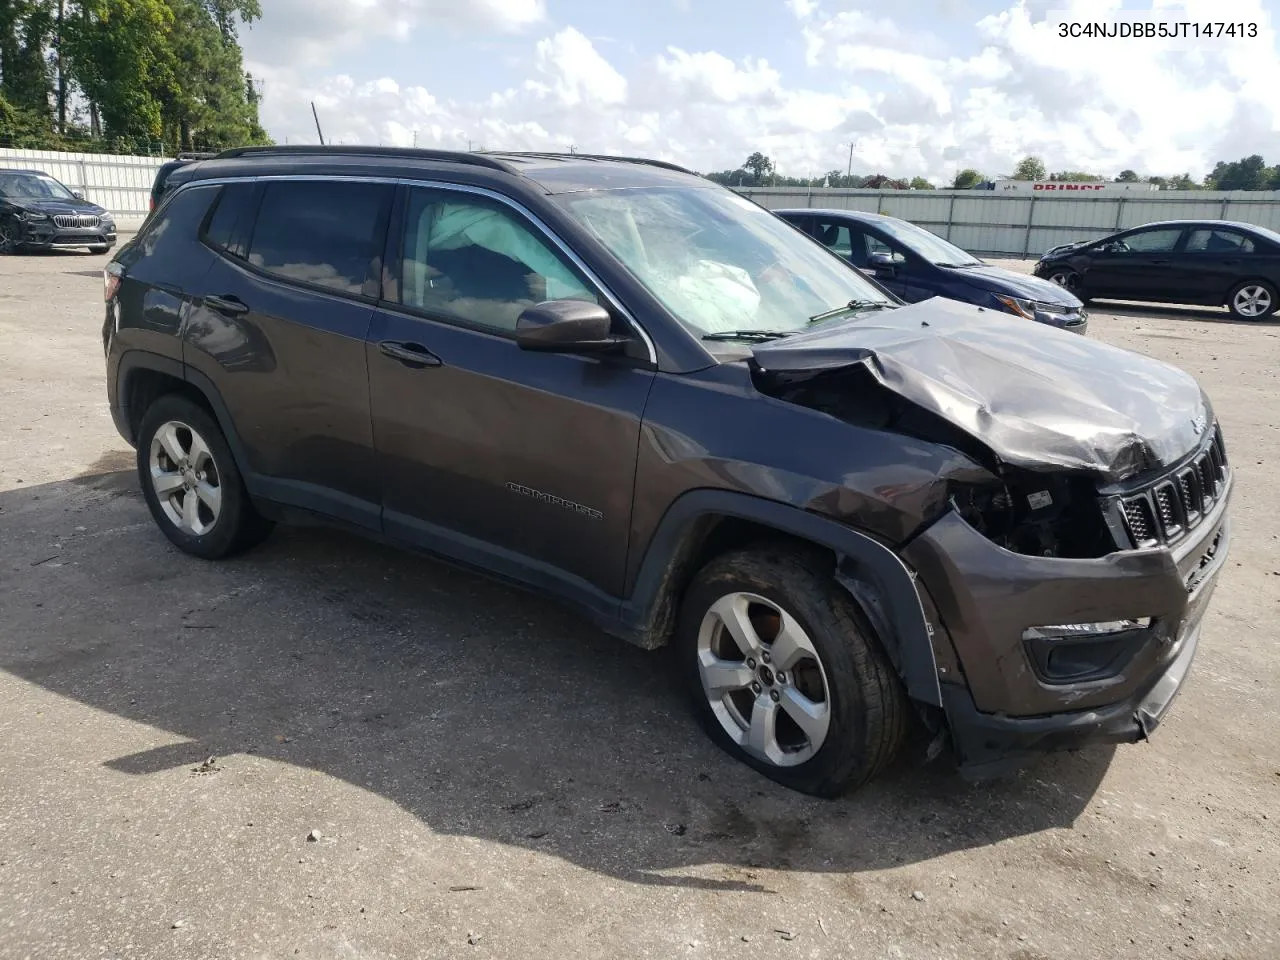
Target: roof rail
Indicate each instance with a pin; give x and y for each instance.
(407, 153)
(595, 156)
(195, 156)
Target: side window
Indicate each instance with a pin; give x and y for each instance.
(228, 215)
(179, 219)
(876, 245)
(835, 237)
(473, 259)
(1218, 241)
(1151, 241)
(324, 233)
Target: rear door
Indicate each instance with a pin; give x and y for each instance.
(1138, 266)
(522, 461)
(280, 329)
(1215, 259)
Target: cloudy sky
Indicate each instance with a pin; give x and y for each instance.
(919, 87)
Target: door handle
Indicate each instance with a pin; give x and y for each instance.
(412, 354)
(231, 306)
(1160, 262)
(1231, 263)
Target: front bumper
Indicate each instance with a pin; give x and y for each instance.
(999, 707)
(46, 235)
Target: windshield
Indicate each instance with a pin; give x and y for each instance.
(717, 261)
(927, 245)
(32, 186)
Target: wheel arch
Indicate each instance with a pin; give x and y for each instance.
(143, 377)
(702, 524)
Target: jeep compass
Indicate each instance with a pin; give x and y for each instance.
(618, 384)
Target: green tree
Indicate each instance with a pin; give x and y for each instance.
(1128, 176)
(1029, 168)
(26, 28)
(120, 54)
(1249, 173)
(1075, 176)
(920, 183)
(759, 165)
(967, 179)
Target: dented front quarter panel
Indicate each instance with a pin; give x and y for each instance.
(695, 437)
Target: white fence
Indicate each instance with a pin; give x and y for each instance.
(121, 184)
(991, 222)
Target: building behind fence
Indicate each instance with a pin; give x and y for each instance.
(1004, 223)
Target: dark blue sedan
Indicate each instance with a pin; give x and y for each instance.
(914, 264)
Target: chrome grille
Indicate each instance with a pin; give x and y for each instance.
(75, 220)
(1172, 506)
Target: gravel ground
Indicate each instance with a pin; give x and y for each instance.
(326, 749)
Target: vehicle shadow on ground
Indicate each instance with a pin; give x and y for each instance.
(1144, 311)
(483, 711)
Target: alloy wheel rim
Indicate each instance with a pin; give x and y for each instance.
(7, 237)
(185, 478)
(1065, 279)
(764, 679)
(1252, 301)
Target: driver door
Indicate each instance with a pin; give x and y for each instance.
(522, 461)
(1137, 266)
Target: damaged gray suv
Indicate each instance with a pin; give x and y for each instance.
(618, 384)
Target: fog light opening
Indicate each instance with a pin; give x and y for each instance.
(1072, 631)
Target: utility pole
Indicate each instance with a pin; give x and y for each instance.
(415, 139)
(316, 116)
(849, 172)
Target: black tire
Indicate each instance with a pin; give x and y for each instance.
(1265, 297)
(868, 708)
(237, 526)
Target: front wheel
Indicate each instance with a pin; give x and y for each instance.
(191, 482)
(1252, 300)
(10, 236)
(785, 672)
(1069, 280)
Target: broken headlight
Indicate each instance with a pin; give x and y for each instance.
(1039, 515)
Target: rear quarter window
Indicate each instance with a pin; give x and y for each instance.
(230, 219)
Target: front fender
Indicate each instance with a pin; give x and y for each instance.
(875, 576)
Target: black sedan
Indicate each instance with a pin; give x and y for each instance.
(1209, 262)
(39, 213)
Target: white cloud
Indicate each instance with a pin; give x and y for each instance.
(911, 104)
(306, 33)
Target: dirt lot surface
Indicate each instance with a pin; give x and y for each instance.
(486, 776)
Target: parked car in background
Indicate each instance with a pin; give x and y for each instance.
(167, 168)
(1212, 263)
(915, 265)
(39, 213)
(616, 383)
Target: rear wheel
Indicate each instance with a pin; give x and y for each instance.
(1253, 300)
(785, 673)
(191, 482)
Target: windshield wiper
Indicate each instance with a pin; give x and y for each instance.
(853, 305)
(747, 335)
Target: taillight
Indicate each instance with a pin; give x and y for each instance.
(110, 282)
(153, 203)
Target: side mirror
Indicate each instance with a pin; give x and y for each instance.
(78, 194)
(567, 326)
(881, 262)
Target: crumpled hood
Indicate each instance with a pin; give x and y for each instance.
(997, 280)
(1039, 398)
